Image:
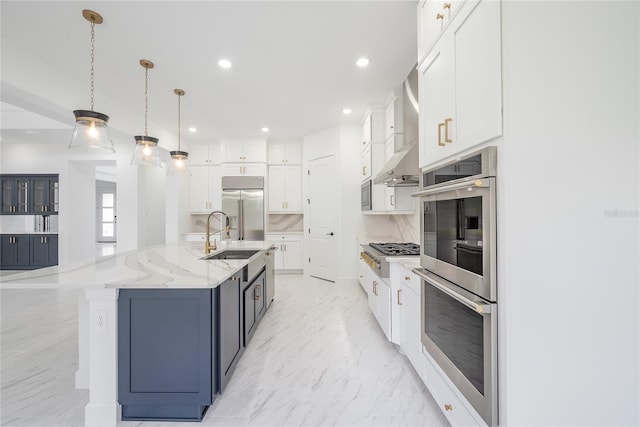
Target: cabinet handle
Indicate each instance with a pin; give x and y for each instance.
(399, 302)
(439, 16)
(448, 407)
(375, 288)
(285, 248)
(364, 170)
(257, 292)
(440, 126)
(446, 6)
(407, 277)
(391, 200)
(446, 130)
(364, 142)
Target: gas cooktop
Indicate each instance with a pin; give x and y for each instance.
(398, 249)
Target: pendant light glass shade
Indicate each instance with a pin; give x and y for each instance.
(91, 132)
(179, 159)
(179, 164)
(147, 152)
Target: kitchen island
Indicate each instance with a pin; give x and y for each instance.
(174, 273)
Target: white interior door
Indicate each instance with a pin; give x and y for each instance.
(106, 215)
(322, 219)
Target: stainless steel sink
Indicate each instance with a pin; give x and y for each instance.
(233, 254)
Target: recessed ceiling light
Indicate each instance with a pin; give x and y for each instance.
(346, 111)
(192, 129)
(224, 63)
(362, 62)
(264, 129)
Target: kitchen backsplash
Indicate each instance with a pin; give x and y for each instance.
(386, 228)
(284, 223)
(28, 224)
(199, 223)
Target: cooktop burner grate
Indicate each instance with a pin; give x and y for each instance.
(391, 249)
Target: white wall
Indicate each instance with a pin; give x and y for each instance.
(343, 143)
(568, 214)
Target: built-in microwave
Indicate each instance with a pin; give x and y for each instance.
(365, 195)
(458, 222)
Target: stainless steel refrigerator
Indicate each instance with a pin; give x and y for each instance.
(243, 202)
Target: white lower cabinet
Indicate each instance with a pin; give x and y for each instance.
(288, 252)
(380, 303)
(378, 295)
(447, 399)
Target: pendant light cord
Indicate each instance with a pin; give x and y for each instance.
(93, 39)
(179, 96)
(146, 99)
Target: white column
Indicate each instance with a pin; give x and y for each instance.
(82, 374)
(103, 408)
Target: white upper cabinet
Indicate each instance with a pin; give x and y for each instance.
(243, 169)
(205, 189)
(434, 17)
(289, 153)
(285, 189)
(365, 162)
(460, 85)
(244, 151)
(204, 154)
(393, 118)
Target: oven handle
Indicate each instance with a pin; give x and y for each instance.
(477, 307)
(478, 183)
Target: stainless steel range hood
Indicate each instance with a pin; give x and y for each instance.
(402, 170)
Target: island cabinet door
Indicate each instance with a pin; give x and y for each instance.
(230, 324)
(254, 305)
(165, 351)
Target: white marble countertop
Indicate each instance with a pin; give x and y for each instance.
(171, 266)
(408, 261)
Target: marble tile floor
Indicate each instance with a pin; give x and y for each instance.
(317, 359)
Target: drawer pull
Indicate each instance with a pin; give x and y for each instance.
(407, 277)
(446, 6)
(448, 407)
(439, 16)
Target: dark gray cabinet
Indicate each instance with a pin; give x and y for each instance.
(44, 250)
(29, 194)
(44, 194)
(28, 251)
(254, 305)
(166, 350)
(15, 251)
(15, 194)
(230, 346)
(178, 348)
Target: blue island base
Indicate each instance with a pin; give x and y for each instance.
(163, 412)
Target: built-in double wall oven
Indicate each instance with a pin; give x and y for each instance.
(458, 271)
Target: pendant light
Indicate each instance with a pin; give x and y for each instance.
(147, 151)
(91, 132)
(179, 159)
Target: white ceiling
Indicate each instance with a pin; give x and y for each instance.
(293, 63)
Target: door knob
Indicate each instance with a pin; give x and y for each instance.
(330, 234)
